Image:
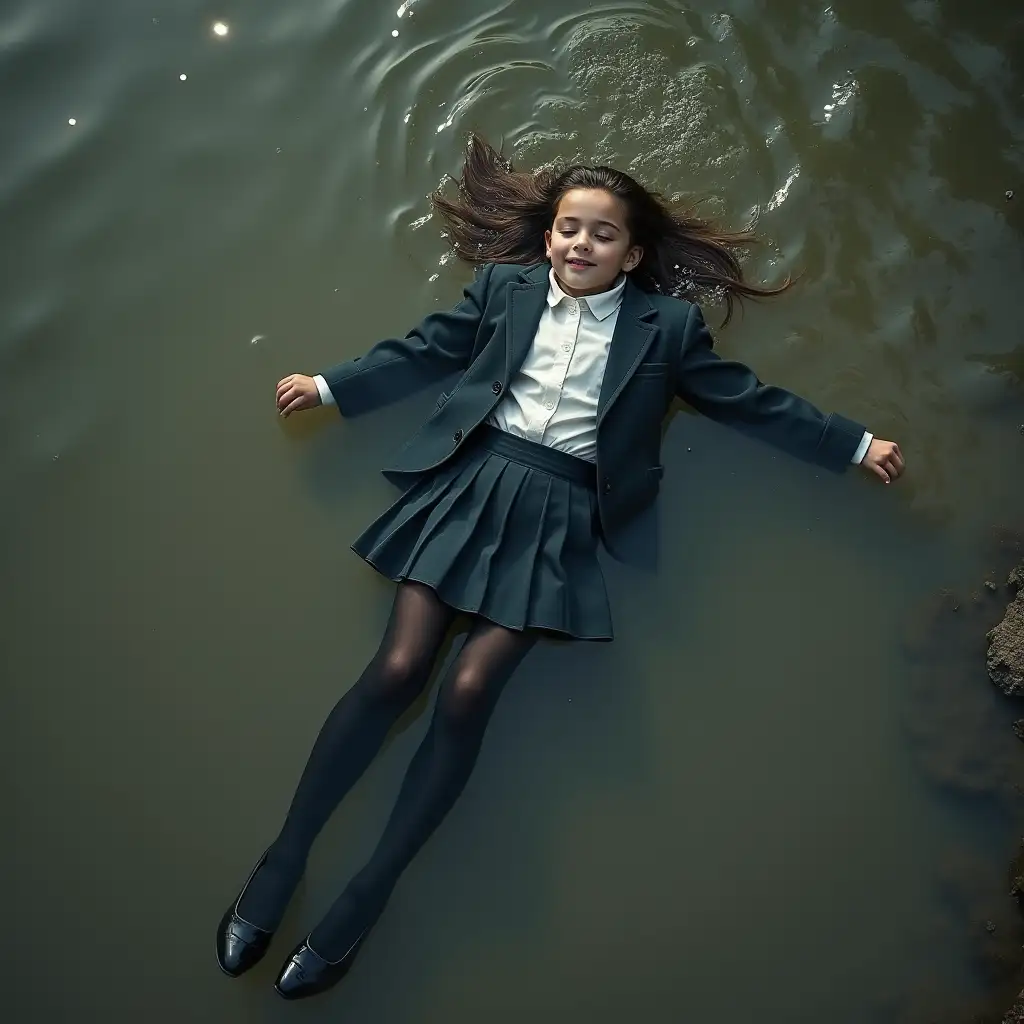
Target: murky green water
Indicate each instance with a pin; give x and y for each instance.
(721, 817)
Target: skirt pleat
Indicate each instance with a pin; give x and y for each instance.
(499, 537)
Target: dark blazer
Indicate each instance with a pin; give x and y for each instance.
(660, 349)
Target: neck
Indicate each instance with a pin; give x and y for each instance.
(578, 293)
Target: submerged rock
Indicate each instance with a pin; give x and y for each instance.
(1015, 1014)
(1005, 658)
(1017, 877)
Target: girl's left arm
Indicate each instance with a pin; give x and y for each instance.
(729, 392)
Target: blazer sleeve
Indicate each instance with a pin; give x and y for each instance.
(729, 392)
(397, 367)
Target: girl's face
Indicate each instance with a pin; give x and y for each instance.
(588, 244)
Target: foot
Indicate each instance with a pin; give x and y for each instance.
(306, 973)
(241, 944)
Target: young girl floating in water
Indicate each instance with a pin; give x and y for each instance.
(570, 350)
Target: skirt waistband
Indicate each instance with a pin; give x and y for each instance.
(537, 456)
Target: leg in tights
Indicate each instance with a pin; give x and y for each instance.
(348, 741)
(436, 776)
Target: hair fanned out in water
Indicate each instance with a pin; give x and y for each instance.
(500, 216)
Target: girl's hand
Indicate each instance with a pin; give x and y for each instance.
(297, 392)
(884, 459)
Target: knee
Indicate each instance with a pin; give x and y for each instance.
(401, 675)
(466, 693)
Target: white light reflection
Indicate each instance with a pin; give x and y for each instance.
(783, 193)
(183, 77)
(842, 93)
(220, 28)
(72, 121)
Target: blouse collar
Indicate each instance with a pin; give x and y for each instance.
(602, 305)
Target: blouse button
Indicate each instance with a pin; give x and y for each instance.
(496, 387)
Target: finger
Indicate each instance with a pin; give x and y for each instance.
(879, 470)
(295, 406)
(283, 385)
(894, 467)
(288, 396)
(897, 455)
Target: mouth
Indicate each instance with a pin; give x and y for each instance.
(578, 264)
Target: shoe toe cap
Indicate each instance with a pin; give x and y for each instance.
(239, 946)
(291, 982)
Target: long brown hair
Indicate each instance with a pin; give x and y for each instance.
(500, 216)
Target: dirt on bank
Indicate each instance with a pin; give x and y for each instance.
(1005, 659)
(968, 743)
(1005, 662)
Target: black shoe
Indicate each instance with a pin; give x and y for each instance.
(306, 973)
(241, 945)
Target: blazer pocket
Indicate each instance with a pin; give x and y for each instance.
(445, 395)
(657, 472)
(651, 370)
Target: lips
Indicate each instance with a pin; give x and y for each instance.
(579, 264)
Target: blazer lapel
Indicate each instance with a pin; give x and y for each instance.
(630, 341)
(524, 305)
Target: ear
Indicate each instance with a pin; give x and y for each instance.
(547, 244)
(633, 258)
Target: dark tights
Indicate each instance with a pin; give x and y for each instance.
(350, 738)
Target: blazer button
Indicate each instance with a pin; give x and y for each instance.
(496, 387)
(457, 436)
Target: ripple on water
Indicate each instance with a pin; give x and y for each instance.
(19, 24)
(625, 85)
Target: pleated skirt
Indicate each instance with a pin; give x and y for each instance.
(507, 529)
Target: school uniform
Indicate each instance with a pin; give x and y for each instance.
(549, 443)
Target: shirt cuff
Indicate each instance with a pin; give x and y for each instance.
(327, 398)
(862, 448)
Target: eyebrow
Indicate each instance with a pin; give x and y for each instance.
(606, 223)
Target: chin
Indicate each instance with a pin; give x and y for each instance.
(592, 276)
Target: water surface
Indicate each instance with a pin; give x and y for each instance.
(724, 814)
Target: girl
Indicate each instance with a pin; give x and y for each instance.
(570, 350)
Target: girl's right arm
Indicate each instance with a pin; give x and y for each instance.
(442, 344)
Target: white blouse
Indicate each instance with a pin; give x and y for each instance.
(553, 398)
